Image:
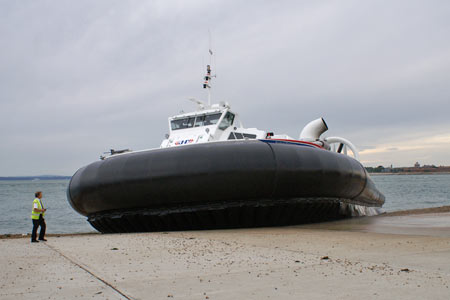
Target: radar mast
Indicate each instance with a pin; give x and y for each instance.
(208, 76)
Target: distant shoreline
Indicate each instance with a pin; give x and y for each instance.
(407, 173)
(31, 178)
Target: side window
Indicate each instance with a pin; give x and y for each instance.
(227, 121)
(250, 136)
(238, 135)
(231, 136)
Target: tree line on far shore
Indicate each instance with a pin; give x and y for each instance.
(422, 169)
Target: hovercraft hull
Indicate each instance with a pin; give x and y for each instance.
(220, 185)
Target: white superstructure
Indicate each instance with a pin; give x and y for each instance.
(217, 122)
(207, 124)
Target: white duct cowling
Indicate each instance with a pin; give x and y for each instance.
(313, 130)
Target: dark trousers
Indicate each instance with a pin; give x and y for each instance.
(36, 224)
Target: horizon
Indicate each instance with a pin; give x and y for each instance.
(386, 167)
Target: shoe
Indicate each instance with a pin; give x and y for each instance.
(35, 241)
(44, 240)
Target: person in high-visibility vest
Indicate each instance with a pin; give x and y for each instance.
(37, 216)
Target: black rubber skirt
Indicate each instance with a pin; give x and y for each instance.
(219, 185)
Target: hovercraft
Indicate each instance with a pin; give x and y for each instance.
(212, 172)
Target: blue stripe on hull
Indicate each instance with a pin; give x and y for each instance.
(287, 142)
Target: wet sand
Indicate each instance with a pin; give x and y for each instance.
(384, 257)
(427, 224)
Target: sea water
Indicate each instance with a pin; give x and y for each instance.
(16, 197)
(16, 203)
(413, 191)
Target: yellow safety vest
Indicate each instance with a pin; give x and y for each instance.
(35, 215)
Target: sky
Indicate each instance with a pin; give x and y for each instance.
(78, 78)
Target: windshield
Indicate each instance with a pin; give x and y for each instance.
(199, 121)
(203, 120)
(182, 123)
(212, 119)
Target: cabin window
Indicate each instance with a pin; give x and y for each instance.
(212, 119)
(238, 135)
(182, 123)
(178, 124)
(249, 136)
(227, 121)
(195, 121)
(190, 122)
(199, 121)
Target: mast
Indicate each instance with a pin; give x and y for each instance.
(208, 76)
(206, 84)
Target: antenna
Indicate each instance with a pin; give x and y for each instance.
(208, 76)
(200, 104)
(210, 47)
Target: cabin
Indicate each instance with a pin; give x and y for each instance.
(208, 124)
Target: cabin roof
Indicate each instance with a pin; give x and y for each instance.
(198, 113)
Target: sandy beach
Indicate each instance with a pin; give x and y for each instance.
(384, 257)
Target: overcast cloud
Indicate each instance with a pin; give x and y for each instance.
(80, 77)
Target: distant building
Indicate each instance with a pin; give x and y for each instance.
(417, 165)
(429, 166)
